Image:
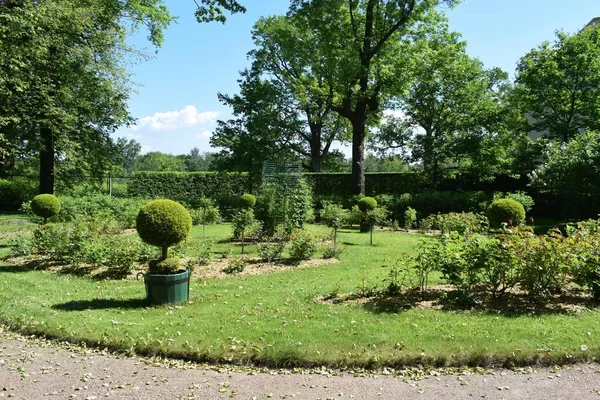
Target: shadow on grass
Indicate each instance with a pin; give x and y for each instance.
(101, 304)
(443, 298)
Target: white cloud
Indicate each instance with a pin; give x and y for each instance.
(171, 120)
(145, 149)
(202, 136)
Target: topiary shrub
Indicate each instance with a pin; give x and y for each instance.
(247, 201)
(45, 206)
(505, 211)
(163, 223)
(367, 204)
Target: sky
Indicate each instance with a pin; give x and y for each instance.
(175, 100)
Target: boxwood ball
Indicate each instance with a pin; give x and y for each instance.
(163, 223)
(505, 210)
(45, 205)
(367, 204)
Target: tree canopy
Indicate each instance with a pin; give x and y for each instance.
(63, 82)
(559, 84)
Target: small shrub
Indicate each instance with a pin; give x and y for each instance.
(45, 206)
(521, 197)
(235, 266)
(332, 252)
(271, 251)
(367, 204)
(247, 201)
(165, 266)
(505, 211)
(302, 245)
(462, 223)
(163, 223)
(205, 216)
(410, 218)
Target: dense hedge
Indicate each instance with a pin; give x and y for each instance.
(14, 192)
(189, 187)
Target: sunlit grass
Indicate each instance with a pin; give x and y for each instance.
(274, 320)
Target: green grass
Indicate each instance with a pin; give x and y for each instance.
(274, 320)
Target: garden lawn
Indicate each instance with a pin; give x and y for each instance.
(274, 319)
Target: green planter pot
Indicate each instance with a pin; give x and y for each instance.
(174, 288)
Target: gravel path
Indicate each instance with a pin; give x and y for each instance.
(35, 369)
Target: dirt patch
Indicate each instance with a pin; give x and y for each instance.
(252, 266)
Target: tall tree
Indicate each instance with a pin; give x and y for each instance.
(454, 111)
(264, 126)
(363, 42)
(288, 54)
(559, 84)
(63, 84)
(127, 153)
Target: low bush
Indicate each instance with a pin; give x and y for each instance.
(302, 245)
(410, 218)
(122, 211)
(167, 266)
(521, 197)
(271, 251)
(505, 211)
(462, 223)
(367, 204)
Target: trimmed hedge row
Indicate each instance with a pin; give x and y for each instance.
(189, 187)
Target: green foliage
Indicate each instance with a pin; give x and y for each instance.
(302, 245)
(271, 251)
(86, 245)
(165, 267)
(244, 224)
(333, 215)
(205, 215)
(378, 216)
(223, 187)
(557, 84)
(585, 238)
(285, 205)
(526, 200)
(367, 204)
(410, 218)
(235, 266)
(15, 192)
(572, 171)
(45, 205)
(462, 223)
(247, 201)
(121, 211)
(163, 223)
(506, 211)
(332, 252)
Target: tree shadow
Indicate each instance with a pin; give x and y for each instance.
(33, 265)
(511, 305)
(101, 304)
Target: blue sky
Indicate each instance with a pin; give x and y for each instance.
(176, 91)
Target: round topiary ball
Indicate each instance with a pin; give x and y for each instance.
(45, 205)
(247, 201)
(163, 223)
(505, 210)
(367, 204)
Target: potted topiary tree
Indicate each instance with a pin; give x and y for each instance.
(164, 223)
(45, 206)
(367, 205)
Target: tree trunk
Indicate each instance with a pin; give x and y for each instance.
(316, 159)
(359, 123)
(47, 161)
(164, 253)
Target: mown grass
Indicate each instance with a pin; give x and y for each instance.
(274, 319)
